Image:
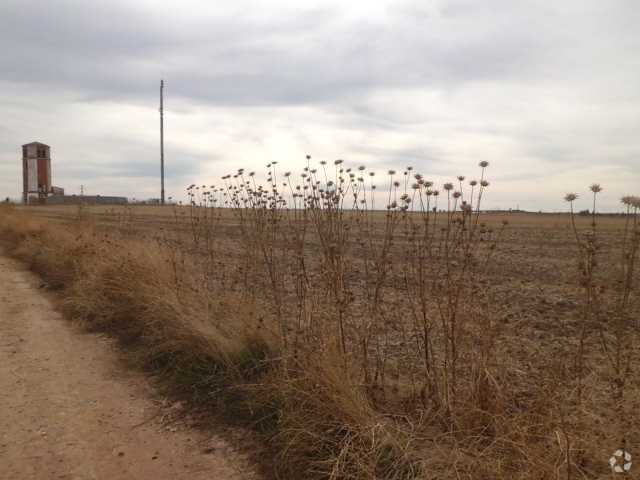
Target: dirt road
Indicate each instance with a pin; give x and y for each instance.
(68, 410)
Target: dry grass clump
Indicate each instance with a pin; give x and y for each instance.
(353, 319)
(328, 429)
(128, 290)
(49, 253)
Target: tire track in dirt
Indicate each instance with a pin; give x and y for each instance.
(68, 410)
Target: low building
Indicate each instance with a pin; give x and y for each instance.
(85, 200)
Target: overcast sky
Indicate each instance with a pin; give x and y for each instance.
(547, 91)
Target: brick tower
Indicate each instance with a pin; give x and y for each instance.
(36, 172)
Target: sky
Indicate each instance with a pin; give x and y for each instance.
(548, 92)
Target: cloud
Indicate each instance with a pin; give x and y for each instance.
(547, 92)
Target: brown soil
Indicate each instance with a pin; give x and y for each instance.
(69, 410)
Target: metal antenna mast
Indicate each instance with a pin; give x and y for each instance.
(161, 143)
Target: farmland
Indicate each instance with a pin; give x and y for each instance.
(367, 343)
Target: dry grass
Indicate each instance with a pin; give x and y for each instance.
(407, 343)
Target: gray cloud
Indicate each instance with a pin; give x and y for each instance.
(310, 56)
(438, 85)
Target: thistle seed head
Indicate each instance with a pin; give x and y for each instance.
(570, 197)
(626, 200)
(631, 201)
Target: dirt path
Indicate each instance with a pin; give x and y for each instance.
(68, 410)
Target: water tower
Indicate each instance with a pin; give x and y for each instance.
(36, 172)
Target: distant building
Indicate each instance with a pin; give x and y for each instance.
(36, 171)
(85, 199)
(36, 181)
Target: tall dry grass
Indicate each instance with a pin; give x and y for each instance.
(360, 338)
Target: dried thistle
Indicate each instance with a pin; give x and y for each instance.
(570, 197)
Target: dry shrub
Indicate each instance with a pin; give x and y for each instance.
(130, 292)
